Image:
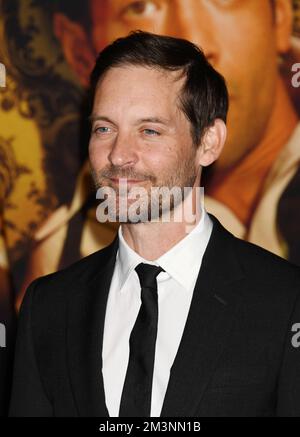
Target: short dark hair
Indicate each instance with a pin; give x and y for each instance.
(204, 95)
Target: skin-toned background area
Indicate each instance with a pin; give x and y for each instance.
(47, 197)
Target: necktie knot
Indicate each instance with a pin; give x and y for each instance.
(147, 274)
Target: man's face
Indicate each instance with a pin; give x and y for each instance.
(238, 37)
(139, 133)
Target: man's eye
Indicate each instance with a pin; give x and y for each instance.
(102, 130)
(151, 132)
(140, 8)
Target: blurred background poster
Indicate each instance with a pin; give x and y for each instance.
(47, 198)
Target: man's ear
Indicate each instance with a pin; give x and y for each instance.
(212, 143)
(76, 46)
(283, 17)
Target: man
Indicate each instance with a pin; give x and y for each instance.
(253, 187)
(249, 185)
(173, 318)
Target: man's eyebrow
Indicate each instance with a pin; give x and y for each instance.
(153, 120)
(95, 117)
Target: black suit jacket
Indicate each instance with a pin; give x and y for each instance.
(236, 356)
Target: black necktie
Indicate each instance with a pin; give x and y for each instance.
(137, 389)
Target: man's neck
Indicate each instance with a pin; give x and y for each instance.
(241, 187)
(152, 239)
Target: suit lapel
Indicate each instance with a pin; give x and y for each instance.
(86, 316)
(212, 312)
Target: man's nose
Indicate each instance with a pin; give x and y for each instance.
(123, 151)
(191, 20)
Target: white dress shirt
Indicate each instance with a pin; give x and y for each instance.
(175, 290)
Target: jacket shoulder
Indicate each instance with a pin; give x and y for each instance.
(268, 278)
(56, 286)
(265, 263)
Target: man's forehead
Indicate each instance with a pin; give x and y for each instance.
(147, 97)
(143, 70)
(140, 80)
(120, 86)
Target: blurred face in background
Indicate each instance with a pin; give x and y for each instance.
(241, 38)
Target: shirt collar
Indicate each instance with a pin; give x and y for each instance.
(127, 260)
(182, 262)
